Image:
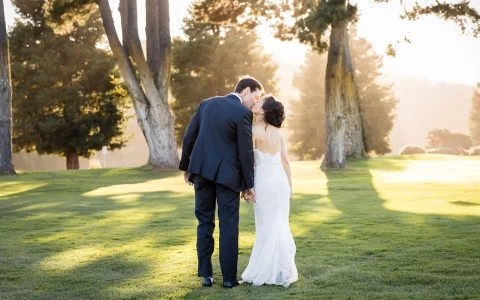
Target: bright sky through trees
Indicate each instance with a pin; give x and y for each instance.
(438, 50)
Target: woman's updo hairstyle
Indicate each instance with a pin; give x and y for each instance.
(274, 111)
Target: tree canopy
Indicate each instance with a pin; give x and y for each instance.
(307, 121)
(209, 62)
(68, 96)
(312, 18)
(444, 138)
(377, 101)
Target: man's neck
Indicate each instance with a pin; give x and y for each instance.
(239, 97)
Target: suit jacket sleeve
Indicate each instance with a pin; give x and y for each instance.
(245, 149)
(189, 140)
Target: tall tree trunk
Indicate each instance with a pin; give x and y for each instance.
(151, 103)
(72, 161)
(6, 165)
(355, 146)
(159, 43)
(343, 128)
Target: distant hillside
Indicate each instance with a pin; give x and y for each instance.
(425, 105)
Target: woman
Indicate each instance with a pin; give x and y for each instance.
(273, 256)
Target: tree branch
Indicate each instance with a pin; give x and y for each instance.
(138, 57)
(124, 65)
(465, 16)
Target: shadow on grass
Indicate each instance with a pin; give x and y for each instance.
(464, 203)
(97, 279)
(369, 251)
(59, 241)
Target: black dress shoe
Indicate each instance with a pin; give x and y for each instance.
(230, 284)
(208, 281)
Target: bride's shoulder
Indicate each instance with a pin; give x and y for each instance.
(255, 127)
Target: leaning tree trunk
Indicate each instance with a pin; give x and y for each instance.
(6, 165)
(150, 100)
(343, 128)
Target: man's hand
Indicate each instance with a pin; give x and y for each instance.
(249, 195)
(186, 176)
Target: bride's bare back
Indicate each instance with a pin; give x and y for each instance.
(267, 139)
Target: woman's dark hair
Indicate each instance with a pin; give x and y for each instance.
(248, 81)
(274, 111)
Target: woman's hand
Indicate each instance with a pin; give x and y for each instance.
(249, 195)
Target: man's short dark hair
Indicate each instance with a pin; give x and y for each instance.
(248, 81)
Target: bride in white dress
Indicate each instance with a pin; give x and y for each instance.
(273, 255)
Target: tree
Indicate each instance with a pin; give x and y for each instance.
(443, 138)
(68, 100)
(209, 62)
(475, 116)
(314, 20)
(377, 103)
(344, 128)
(307, 122)
(6, 165)
(147, 79)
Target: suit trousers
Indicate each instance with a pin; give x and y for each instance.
(207, 195)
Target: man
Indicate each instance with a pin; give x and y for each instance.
(217, 157)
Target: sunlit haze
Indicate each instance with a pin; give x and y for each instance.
(438, 50)
(423, 73)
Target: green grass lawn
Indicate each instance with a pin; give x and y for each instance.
(387, 228)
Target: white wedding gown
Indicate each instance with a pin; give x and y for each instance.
(273, 256)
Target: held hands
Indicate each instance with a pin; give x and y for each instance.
(186, 176)
(248, 195)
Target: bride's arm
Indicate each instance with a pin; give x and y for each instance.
(286, 164)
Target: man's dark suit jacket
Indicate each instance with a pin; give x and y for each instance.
(218, 143)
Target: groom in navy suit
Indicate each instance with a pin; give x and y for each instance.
(217, 157)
